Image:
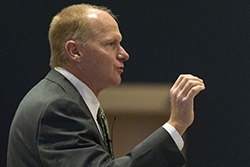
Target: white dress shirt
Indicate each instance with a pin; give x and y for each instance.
(93, 104)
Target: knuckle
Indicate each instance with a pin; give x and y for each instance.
(172, 91)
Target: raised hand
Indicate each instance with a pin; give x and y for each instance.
(182, 96)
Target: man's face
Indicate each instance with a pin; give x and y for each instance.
(103, 59)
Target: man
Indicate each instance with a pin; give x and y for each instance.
(56, 124)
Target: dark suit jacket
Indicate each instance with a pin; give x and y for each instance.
(54, 128)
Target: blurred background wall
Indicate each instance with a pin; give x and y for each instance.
(165, 38)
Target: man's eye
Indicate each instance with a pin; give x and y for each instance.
(111, 43)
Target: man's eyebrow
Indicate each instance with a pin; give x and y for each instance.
(114, 38)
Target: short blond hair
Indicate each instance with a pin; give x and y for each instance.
(70, 24)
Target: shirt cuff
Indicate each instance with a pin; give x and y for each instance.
(175, 135)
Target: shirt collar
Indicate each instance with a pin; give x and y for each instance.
(86, 93)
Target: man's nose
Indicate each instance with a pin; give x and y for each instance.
(123, 55)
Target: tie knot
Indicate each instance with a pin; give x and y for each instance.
(101, 119)
(100, 114)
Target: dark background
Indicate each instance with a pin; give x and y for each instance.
(165, 38)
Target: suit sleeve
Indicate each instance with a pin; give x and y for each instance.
(68, 137)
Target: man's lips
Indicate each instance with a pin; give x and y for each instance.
(120, 69)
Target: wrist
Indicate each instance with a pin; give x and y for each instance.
(180, 128)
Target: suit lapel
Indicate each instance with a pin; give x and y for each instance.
(71, 91)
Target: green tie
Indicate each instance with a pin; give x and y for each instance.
(102, 120)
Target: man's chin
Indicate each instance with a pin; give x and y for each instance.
(117, 82)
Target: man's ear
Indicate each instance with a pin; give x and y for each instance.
(72, 50)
